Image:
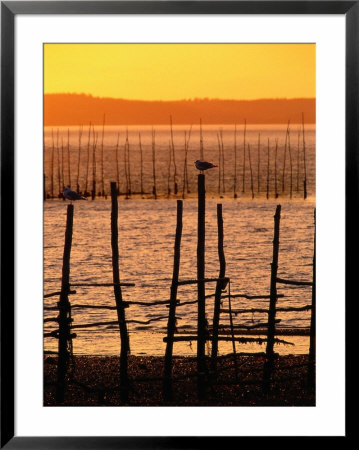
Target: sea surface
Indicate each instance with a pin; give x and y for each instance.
(274, 160)
(146, 247)
(252, 159)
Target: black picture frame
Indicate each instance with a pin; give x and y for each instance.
(9, 9)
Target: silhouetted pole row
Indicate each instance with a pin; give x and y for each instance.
(64, 319)
(171, 326)
(125, 347)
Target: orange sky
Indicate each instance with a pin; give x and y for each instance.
(181, 71)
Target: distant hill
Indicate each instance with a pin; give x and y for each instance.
(77, 109)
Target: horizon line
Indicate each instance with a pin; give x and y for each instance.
(179, 100)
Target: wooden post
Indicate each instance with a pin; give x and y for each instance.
(64, 310)
(311, 368)
(86, 193)
(171, 326)
(141, 164)
(275, 170)
(52, 164)
(219, 287)
(175, 186)
(268, 158)
(154, 188)
(79, 160)
(94, 144)
(44, 186)
(251, 171)
(235, 163)
(259, 163)
(125, 347)
(304, 163)
(201, 324)
(102, 173)
(268, 366)
(68, 158)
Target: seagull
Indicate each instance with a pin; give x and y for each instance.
(203, 165)
(72, 195)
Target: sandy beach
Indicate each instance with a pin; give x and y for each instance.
(94, 381)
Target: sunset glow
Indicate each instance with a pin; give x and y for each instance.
(181, 71)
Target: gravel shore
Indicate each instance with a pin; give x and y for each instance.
(94, 381)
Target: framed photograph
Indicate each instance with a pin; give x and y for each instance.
(177, 181)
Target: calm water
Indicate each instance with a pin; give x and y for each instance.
(146, 240)
(65, 148)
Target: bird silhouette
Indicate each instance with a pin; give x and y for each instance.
(72, 195)
(203, 165)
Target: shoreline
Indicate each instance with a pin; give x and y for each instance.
(94, 381)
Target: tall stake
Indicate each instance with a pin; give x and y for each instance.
(201, 147)
(68, 157)
(175, 186)
(58, 164)
(244, 156)
(128, 163)
(223, 171)
(126, 168)
(118, 164)
(304, 162)
(154, 189)
(169, 170)
(94, 145)
(141, 163)
(79, 160)
(291, 165)
(268, 170)
(125, 347)
(259, 162)
(65, 310)
(235, 163)
(171, 326)
(88, 162)
(219, 287)
(298, 159)
(202, 325)
(52, 163)
(275, 170)
(251, 171)
(62, 165)
(62, 168)
(184, 165)
(219, 164)
(102, 169)
(268, 366)
(284, 158)
(312, 346)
